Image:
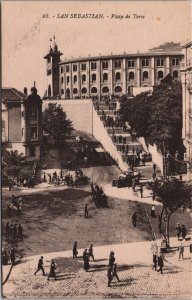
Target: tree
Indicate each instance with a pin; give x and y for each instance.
(55, 122)
(13, 158)
(157, 116)
(173, 194)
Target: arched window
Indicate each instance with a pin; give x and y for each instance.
(131, 76)
(68, 93)
(130, 90)
(160, 75)
(118, 89)
(105, 89)
(61, 69)
(62, 91)
(67, 79)
(75, 91)
(62, 79)
(118, 76)
(75, 78)
(83, 78)
(49, 91)
(105, 76)
(94, 90)
(175, 74)
(145, 75)
(84, 90)
(93, 77)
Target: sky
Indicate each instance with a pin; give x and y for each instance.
(26, 33)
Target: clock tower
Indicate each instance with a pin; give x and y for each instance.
(53, 58)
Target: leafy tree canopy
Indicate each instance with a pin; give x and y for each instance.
(173, 194)
(157, 116)
(55, 122)
(13, 158)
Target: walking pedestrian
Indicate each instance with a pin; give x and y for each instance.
(160, 263)
(91, 252)
(111, 259)
(183, 231)
(20, 232)
(181, 251)
(86, 260)
(86, 211)
(178, 230)
(52, 270)
(75, 252)
(12, 255)
(7, 230)
(154, 168)
(155, 261)
(40, 266)
(141, 191)
(159, 224)
(134, 219)
(153, 211)
(15, 231)
(109, 275)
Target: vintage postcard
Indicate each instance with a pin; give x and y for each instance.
(96, 108)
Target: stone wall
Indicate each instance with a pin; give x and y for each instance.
(79, 111)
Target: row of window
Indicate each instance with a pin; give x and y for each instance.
(105, 89)
(117, 64)
(131, 76)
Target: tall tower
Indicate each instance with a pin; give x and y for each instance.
(31, 111)
(53, 58)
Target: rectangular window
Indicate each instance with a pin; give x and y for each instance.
(145, 62)
(67, 68)
(117, 64)
(67, 79)
(33, 133)
(105, 64)
(160, 62)
(22, 132)
(33, 113)
(74, 68)
(93, 66)
(175, 61)
(83, 67)
(131, 63)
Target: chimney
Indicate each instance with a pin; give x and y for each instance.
(25, 90)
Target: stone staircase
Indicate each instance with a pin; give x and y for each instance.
(120, 136)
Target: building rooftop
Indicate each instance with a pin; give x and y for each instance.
(124, 55)
(9, 93)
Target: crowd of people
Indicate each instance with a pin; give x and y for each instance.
(66, 179)
(98, 196)
(14, 231)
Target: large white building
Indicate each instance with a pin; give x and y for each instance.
(186, 78)
(110, 74)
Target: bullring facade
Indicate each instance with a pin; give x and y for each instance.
(106, 75)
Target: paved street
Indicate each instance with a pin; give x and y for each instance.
(134, 270)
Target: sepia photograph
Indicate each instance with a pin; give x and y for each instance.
(96, 149)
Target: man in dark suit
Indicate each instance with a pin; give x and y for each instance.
(40, 266)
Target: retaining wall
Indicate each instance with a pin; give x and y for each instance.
(157, 157)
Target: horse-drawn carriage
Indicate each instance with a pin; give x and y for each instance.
(99, 196)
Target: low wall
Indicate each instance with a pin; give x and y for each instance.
(101, 134)
(157, 157)
(79, 111)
